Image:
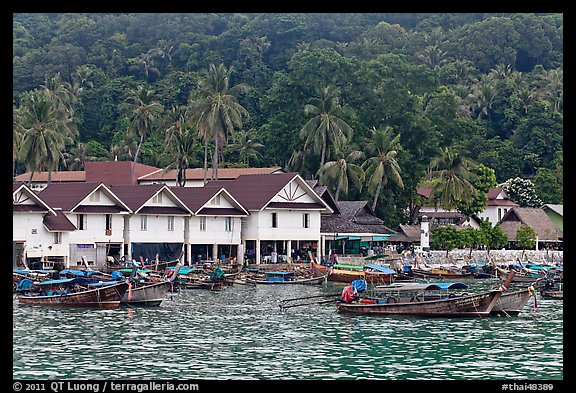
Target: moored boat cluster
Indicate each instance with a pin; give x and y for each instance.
(371, 288)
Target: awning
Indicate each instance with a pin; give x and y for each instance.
(341, 238)
(354, 238)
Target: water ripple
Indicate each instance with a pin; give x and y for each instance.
(241, 333)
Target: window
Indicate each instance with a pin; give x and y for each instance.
(81, 222)
(170, 223)
(143, 223)
(57, 237)
(228, 224)
(274, 220)
(215, 200)
(157, 198)
(306, 220)
(108, 222)
(202, 224)
(499, 214)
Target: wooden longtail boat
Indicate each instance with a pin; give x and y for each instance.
(147, 293)
(518, 277)
(441, 273)
(102, 295)
(275, 278)
(512, 302)
(476, 305)
(339, 275)
(466, 305)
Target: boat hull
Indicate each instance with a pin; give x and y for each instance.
(338, 275)
(477, 305)
(440, 274)
(147, 294)
(511, 303)
(103, 297)
(304, 281)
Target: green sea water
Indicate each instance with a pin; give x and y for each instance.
(241, 333)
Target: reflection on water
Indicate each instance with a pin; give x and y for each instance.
(241, 333)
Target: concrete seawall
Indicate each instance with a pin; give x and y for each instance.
(462, 257)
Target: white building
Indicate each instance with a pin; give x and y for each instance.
(284, 215)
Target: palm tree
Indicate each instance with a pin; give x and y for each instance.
(77, 157)
(217, 111)
(326, 126)
(145, 115)
(245, 145)
(342, 171)
(16, 136)
(382, 168)
(451, 174)
(45, 132)
(180, 141)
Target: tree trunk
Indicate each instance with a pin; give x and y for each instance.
(376, 196)
(205, 160)
(215, 158)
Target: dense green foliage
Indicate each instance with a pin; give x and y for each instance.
(315, 87)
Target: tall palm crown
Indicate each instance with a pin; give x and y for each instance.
(145, 113)
(217, 110)
(343, 171)
(246, 146)
(45, 131)
(180, 138)
(382, 168)
(326, 126)
(451, 172)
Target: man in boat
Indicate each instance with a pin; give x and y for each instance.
(349, 294)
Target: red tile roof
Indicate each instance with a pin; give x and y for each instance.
(255, 191)
(225, 211)
(195, 197)
(58, 223)
(56, 177)
(117, 172)
(66, 196)
(134, 196)
(198, 173)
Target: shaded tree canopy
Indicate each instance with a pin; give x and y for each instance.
(488, 85)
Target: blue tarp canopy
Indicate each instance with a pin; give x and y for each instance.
(451, 285)
(380, 268)
(410, 287)
(341, 237)
(80, 273)
(22, 271)
(65, 281)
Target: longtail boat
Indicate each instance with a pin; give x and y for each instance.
(76, 292)
(287, 278)
(336, 274)
(441, 273)
(512, 302)
(464, 305)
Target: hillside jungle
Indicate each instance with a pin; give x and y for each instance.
(371, 105)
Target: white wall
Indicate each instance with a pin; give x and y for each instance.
(157, 230)
(215, 232)
(259, 225)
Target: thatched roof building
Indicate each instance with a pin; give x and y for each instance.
(536, 218)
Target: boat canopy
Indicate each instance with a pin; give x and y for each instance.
(23, 271)
(78, 280)
(79, 273)
(407, 287)
(380, 268)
